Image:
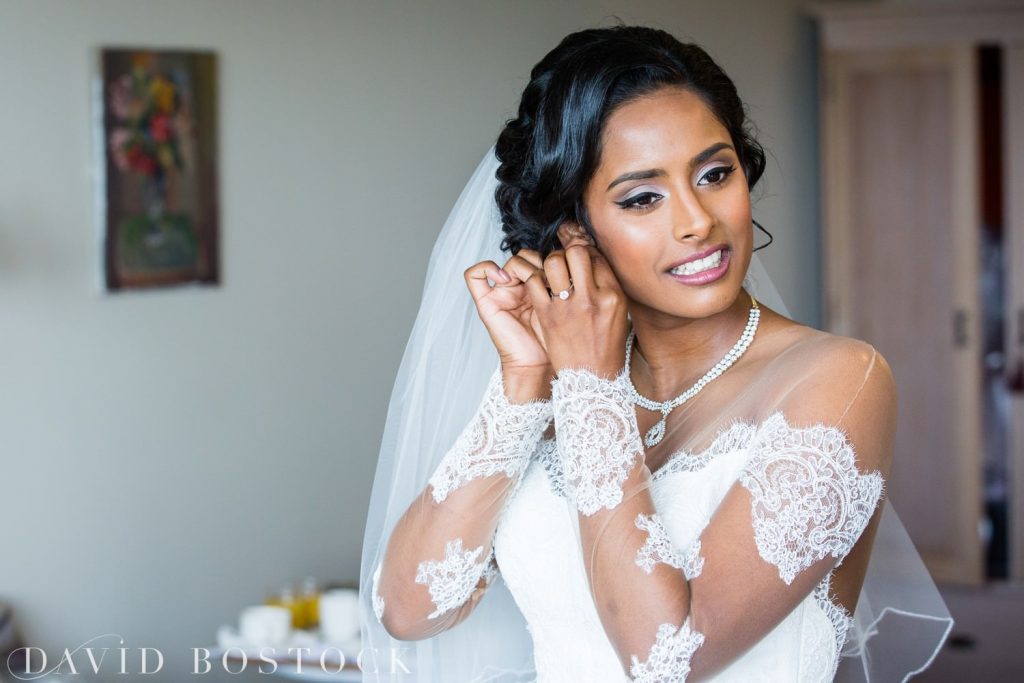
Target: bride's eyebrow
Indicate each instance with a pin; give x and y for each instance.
(700, 158)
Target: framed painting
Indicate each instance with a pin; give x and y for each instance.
(158, 190)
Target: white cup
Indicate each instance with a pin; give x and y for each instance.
(339, 615)
(265, 625)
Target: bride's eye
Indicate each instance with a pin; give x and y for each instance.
(640, 202)
(717, 175)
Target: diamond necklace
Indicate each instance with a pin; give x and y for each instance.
(655, 433)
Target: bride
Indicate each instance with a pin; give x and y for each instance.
(672, 479)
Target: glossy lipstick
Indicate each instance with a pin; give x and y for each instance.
(706, 276)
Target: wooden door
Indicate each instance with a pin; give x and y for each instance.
(1013, 134)
(901, 271)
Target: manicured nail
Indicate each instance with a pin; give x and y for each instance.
(504, 276)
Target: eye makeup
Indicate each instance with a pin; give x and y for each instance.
(640, 201)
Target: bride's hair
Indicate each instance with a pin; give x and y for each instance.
(549, 152)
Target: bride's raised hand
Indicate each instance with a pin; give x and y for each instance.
(506, 310)
(587, 327)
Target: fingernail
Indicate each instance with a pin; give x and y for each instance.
(504, 276)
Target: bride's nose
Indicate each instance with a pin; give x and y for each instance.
(689, 217)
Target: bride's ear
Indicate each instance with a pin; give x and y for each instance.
(570, 232)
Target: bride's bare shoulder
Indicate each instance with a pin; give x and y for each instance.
(823, 364)
(789, 337)
(823, 357)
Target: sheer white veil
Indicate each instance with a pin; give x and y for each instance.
(900, 621)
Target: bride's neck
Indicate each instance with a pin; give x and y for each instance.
(668, 358)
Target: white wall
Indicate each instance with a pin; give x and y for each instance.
(170, 457)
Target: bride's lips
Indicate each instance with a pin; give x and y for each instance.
(706, 276)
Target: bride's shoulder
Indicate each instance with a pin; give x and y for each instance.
(794, 342)
(825, 364)
(829, 348)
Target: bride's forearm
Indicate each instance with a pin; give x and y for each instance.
(613, 544)
(439, 559)
(603, 460)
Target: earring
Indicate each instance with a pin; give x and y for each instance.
(770, 238)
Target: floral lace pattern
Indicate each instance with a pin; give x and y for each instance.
(598, 438)
(500, 438)
(669, 658)
(491, 568)
(738, 434)
(547, 456)
(378, 602)
(808, 498)
(658, 548)
(693, 563)
(836, 613)
(451, 581)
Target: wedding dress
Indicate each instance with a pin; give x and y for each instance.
(551, 545)
(540, 561)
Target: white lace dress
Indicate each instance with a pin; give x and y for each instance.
(535, 546)
(622, 574)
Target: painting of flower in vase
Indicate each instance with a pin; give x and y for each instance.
(159, 170)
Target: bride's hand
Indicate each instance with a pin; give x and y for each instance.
(589, 327)
(507, 311)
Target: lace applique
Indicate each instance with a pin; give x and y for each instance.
(693, 563)
(491, 570)
(378, 602)
(500, 438)
(819, 660)
(669, 658)
(598, 438)
(658, 548)
(547, 455)
(452, 580)
(808, 498)
(736, 435)
(834, 610)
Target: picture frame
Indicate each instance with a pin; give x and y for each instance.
(157, 191)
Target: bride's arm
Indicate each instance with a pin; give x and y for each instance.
(439, 560)
(808, 491)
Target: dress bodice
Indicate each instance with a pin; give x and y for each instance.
(536, 550)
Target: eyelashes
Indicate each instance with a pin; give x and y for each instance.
(726, 171)
(640, 202)
(645, 200)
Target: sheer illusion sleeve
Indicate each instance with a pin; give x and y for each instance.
(811, 483)
(440, 559)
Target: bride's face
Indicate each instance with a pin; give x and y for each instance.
(670, 186)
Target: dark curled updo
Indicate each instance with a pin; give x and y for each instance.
(549, 152)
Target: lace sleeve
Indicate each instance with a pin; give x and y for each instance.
(808, 499)
(680, 610)
(598, 440)
(440, 559)
(499, 439)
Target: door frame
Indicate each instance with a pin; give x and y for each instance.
(964, 563)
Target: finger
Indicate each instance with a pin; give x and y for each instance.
(521, 269)
(477, 276)
(537, 290)
(604, 276)
(581, 267)
(532, 256)
(538, 329)
(557, 271)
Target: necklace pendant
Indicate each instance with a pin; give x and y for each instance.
(655, 433)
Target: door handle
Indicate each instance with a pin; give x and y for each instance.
(960, 328)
